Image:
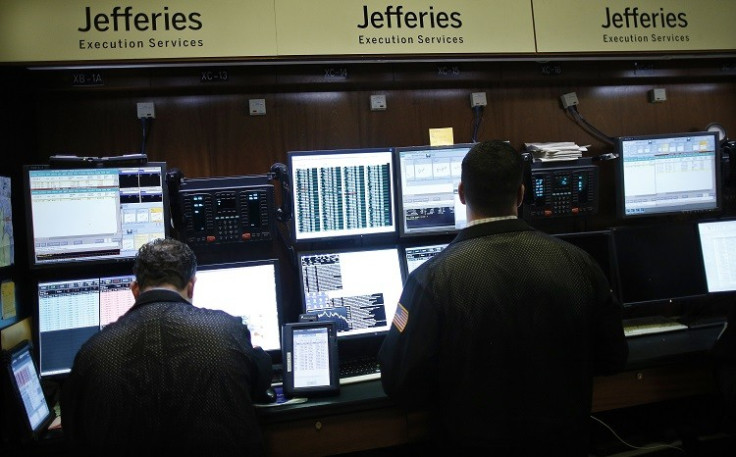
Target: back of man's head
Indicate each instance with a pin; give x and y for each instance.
(492, 172)
(164, 262)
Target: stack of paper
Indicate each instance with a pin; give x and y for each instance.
(563, 150)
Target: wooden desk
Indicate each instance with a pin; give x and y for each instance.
(661, 367)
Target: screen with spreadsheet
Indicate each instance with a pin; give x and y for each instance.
(359, 289)
(427, 181)
(71, 311)
(417, 255)
(339, 193)
(249, 290)
(107, 213)
(668, 174)
(718, 248)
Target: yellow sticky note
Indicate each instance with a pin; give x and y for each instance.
(441, 137)
(7, 292)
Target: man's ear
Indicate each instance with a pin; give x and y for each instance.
(520, 195)
(190, 287)
(461, 192)
(136, 289)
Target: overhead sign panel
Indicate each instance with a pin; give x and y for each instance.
(634, 25)
(360, 27)
(76, 30)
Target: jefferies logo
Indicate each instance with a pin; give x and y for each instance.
(126, 19)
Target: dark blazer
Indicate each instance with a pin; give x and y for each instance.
(500, 335)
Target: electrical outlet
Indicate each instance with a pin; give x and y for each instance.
(257, 106)
(657, 95)
(569, 99)
(478, 99)
(378, 102)
(146, 110)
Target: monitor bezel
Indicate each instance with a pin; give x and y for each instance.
(280, 305)
(347, 250)
(400, 219)
(28, 431)
(699, 224)
(670, 299)
(621, 213)
(298, 238)
(34, 264)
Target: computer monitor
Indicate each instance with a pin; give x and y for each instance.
(718, 248)
(70, 311)
(249, 290)
(83, 215)
(659, 263)
(342, 193)
(668, 174)
(359, 289)
(427, 185)
(417, 255)
(599, 244)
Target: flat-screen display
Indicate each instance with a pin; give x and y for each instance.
(718, 247)
(340, 193)
(599, 244)
(359, 289)
(417, 255)
(82, 215)
(70, 311)
(428, 201)
(659, 263)
(668, 174)
(249, 290)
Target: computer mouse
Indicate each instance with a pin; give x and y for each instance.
(269, 396)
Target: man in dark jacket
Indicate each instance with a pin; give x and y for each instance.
(500, 335)
(167, 378)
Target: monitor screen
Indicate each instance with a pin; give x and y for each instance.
(428, 180)
(668, 174)
(249, 290)
(71, 311)
(658, 263)
(417, 255)
(107, 213)
(599, 244)
(359, 289)
(340, 193)
(718, 246)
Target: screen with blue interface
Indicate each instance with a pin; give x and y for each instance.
(71, 311)
(428, 180)
(668, 174)
(338, 193)
(359, 289)
(249, 290)
(107, 213)
(718, 247)
(417, 255)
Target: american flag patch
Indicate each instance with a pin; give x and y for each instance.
(401, 317)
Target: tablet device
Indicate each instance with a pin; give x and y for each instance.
(27, 398)
(309, 359)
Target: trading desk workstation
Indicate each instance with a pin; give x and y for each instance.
(342, 256)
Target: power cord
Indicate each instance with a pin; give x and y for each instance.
(145, 128)
(580, 120)
(657, 446)
(477, 118)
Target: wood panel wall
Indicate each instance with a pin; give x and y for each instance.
(204, 128)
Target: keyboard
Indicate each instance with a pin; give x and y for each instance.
(648, 325)
(359, 370)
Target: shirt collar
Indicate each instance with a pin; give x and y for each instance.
(490, 219)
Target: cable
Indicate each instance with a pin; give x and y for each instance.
(145, 127)
(477, 118)
(580, 120)
(658, 446)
